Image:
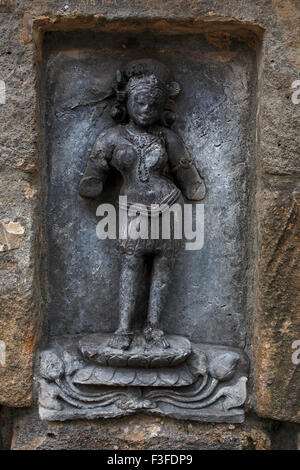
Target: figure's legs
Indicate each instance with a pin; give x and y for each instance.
(131, 273)
(161, 276)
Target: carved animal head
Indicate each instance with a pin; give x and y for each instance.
(222, 367)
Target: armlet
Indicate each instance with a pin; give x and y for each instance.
(183, 163)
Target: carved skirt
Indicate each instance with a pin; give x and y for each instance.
(157, 233)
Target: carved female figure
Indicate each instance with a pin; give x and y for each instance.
(156, 169)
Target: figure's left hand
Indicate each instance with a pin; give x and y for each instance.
(200, 191)
(196, 191)
(90, 186)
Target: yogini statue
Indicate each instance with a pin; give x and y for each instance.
(156, 169)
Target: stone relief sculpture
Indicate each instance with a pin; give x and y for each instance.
(156, 169)
(115, 374)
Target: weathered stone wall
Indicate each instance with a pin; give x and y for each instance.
(273, 316)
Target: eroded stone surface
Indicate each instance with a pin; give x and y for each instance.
(209, 386)
(18, 339)
(278, 320)
(10, 235)
(137, 432)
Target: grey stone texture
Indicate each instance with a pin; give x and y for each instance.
(209, 386)
(271, 322)
(215, 111)
(208, 293)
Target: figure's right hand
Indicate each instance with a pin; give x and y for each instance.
(90, 186)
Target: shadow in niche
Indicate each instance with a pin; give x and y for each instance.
(202, 375)
(215, 117)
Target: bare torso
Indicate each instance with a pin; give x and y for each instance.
(143, 162)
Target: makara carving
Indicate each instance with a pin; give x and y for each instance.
(209, 386)
(129, 370)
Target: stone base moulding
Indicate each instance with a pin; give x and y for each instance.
(209, 386)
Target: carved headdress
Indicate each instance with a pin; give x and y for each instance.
(146, 74)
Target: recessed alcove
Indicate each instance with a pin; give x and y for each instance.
(216, 112)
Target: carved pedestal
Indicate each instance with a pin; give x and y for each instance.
(189, 381)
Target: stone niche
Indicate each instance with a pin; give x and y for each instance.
(208, 299)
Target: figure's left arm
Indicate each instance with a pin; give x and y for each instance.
(183, 168)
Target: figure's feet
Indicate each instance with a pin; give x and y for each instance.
(154, 335)
(120, 340)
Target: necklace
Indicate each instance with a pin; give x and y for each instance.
(141, 142)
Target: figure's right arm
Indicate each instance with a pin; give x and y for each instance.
(94, 177)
